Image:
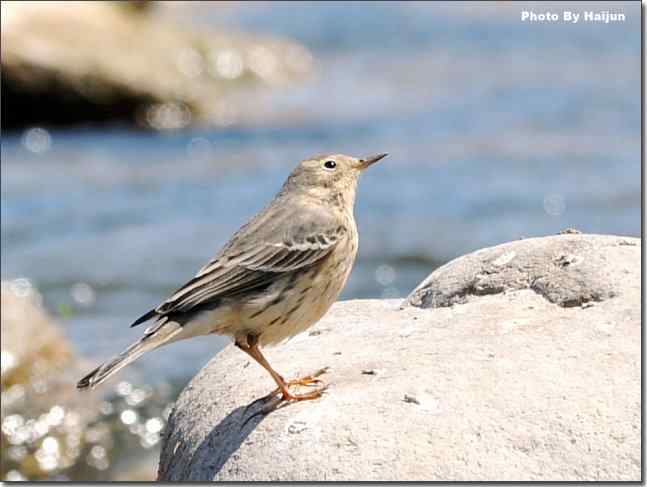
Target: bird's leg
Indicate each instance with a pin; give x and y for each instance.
(251, 349)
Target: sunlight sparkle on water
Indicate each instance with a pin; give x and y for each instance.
(128, 416)
(37, 140)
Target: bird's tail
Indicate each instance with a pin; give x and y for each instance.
(159, 334)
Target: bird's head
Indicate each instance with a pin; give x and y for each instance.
(330, 176)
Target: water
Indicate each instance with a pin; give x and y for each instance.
(497, 130)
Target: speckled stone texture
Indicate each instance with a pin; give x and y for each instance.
(527, 367)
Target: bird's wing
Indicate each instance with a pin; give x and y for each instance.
(271, 245)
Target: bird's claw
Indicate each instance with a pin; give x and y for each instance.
(304, 397)
(307, 381)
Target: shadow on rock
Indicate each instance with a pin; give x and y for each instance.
(225, 439)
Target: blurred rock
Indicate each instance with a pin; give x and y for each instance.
(517, 384)
(76, 62)
(31, 343)
(42, 420)
(51, 431)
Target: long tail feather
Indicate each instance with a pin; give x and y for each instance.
(157, 335)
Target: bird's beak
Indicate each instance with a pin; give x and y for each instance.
(367, 161)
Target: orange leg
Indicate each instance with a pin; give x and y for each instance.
(251, 349)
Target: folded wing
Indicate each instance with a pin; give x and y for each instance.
(256, 256)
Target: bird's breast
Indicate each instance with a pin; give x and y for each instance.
(301, 298)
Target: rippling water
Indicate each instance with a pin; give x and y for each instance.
(497, 130)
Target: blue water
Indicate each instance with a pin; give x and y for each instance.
(497, 130)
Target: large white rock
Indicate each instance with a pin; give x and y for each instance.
(533, 374)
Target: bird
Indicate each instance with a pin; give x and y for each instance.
(277, 275)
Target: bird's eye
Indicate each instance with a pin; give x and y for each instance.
(330, 164)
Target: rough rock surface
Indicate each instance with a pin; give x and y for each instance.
(519, 384)
(568, 270)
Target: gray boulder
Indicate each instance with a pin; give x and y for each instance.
(527, 368)
(568, 270)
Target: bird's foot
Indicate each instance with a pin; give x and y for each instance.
(288, 396)
(275, 400)
(307, 381)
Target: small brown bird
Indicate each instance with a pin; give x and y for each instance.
(277, 276)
